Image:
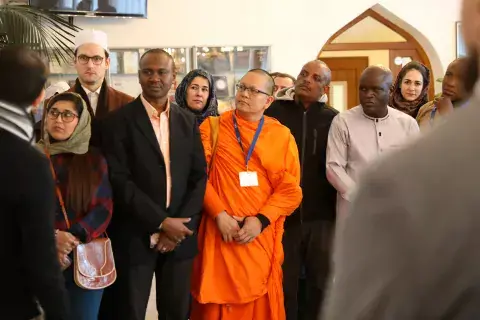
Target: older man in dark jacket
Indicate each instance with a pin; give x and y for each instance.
(308, 231)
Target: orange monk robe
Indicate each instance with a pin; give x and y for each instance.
(233, 281)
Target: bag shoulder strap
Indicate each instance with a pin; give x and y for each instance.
(57, 189)
(214, 129)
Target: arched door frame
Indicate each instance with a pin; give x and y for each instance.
(411, 42)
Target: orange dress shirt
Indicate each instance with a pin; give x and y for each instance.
(161, 128)
(162, 132)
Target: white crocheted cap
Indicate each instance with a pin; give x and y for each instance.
(92, 36)
(56, 88)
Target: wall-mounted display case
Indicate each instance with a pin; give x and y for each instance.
(61, 72)
(227, 64)
(124, 68)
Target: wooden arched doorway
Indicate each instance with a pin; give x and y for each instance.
(355, 46)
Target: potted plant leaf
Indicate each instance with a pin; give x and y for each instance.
(38, 29)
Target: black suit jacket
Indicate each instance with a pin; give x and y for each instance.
(30, 269)
(138, 178)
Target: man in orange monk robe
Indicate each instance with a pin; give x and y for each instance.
(253, 185)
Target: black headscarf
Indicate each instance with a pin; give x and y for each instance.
(211, 108)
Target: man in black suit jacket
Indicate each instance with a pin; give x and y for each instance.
(30, 269)
(158, 173)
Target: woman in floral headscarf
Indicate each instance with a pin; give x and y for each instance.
(196, 93)
(410, 91)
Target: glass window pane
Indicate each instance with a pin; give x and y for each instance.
(114, 62)
(124, 72)
(338, 95)
(228, 65)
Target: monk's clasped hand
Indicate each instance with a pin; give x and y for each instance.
(227, 226)
(252, 227)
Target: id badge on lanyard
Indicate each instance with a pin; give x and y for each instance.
(248, 178)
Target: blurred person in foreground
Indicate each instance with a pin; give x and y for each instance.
(409, 247)
(30, 269)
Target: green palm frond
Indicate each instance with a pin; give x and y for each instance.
(38, 29)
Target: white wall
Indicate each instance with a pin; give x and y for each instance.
(375, 57)
(369, 30)
(296, 30)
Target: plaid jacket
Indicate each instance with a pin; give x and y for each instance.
(93, 224)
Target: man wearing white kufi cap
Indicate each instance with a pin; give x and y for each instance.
(92, 62)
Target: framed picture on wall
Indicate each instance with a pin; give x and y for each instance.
(461, 50)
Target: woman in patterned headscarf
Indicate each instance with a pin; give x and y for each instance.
(196, 93)
(410, 91)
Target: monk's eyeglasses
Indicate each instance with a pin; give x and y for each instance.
(241, 88)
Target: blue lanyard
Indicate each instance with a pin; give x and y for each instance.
(254, 141)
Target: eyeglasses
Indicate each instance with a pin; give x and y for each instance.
(241, 88)
(67, 116)
(83, 59)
